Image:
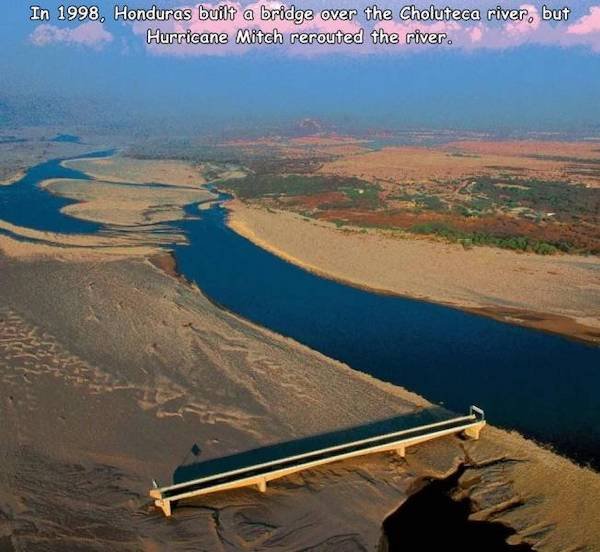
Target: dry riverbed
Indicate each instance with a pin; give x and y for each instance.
(110, 372)
(114, 371)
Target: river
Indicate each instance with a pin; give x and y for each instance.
(545, 386)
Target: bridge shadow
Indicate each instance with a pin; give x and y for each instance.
(195, 470)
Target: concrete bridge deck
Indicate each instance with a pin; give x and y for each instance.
(260, 474)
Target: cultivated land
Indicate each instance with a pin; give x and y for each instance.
(544, 203)
(510, 229)
(111, 370)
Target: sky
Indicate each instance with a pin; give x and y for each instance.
(529, 75)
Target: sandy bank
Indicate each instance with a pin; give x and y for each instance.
(18, 249)
(110, 372)
(555, 293)
(140, 171)
(26, 243)
(124, 204)
(13, 178)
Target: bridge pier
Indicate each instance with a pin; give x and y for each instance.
(473, 432)
(166, 498)
(165, 506)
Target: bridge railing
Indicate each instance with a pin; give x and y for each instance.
(477, 412)
(259, 474)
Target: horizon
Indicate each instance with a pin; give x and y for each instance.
(506, 87)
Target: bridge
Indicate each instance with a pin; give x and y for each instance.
(260, 474)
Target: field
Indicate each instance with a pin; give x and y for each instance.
(540, 197)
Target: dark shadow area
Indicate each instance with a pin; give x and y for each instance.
(277, 451)
(431, 520)
(6, 544)
(12, 140)
(67, 139)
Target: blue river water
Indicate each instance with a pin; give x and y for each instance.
(25, 203)
(543, 385)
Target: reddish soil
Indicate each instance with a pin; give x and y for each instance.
(581, 236)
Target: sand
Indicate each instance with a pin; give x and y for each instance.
(394, 166)
(123, 204)
(112, 368)
(25, 243)
(13, 178)
(18, 249)
(111, 371)
(138, 171)
(558, 293)
(123, 370)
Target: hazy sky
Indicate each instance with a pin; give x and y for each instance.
(494, 76)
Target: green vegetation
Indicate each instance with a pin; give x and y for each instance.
(479, 205)
(588, 172)
(505, 169)
(262, 160)
(468, 155)
(506, 210)
(567, 202)
(515, 243)
(464, 211)
(565, 159)
(358, 193)
(423, 201)
(431, 203)
(367, 196)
